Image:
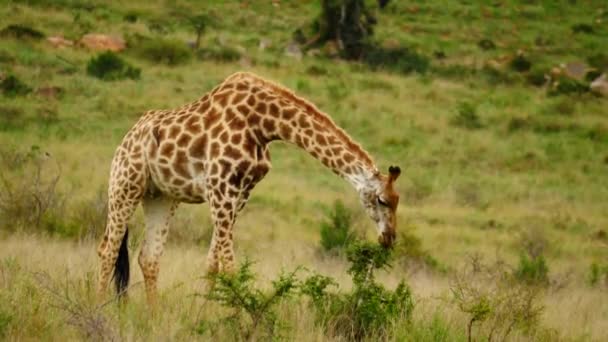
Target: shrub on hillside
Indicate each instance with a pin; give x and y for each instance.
(12, 86)
(467, 116)
(532, 268)
(566, 86)
(399, 59)
(370, 310)
(109, 67)
(165, 51)
(222, 54)
(410, 253)
(520, 64)
(336, 232)
(495, 301)
(598, 274)
(29, 197)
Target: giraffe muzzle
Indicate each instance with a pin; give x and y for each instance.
(387, 238)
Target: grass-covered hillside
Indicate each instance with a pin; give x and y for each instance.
(503, 149)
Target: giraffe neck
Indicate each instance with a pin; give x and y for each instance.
(278, 114)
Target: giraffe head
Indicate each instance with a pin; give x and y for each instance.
(380, 201)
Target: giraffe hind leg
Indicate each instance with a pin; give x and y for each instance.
(119, 213)
(158, 213)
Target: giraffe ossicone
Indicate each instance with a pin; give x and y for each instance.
(215, 150)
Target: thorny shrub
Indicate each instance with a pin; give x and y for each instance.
(253, 313)
(370, 310)
(495, 301)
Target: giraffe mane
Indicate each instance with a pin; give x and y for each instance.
(310, 109)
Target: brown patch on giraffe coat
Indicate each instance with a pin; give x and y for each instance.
(285, 131)
(237, 124)
(238, 98)
(241, 86)
(348, 158)
(225, 167)
(273, 110)
(167, 149)
(253, 119)
(244, 110)
(211, 117)
(251, 101)
(320, 139)
(181, 164)
(224, 137)
(165, 173)
(184, 140)
(192, 125)
(269, 125)
(289, 113)
(178, 182)
(222, 98)
(199, 167)
(230, 114)
(236, 138)
(215, 132)
(199, 146)
(203, 107)
(174, 131)
(261, 108)
(232, 152)
(215, 150)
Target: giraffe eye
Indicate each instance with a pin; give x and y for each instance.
(382, 203)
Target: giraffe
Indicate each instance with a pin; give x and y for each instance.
(215, 150)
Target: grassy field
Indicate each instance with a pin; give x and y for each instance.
(493, 166)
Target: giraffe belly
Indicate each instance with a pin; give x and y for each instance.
(184, 189)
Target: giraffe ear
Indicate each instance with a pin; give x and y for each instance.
(393, 173)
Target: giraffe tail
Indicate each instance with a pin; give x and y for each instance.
(121, 267)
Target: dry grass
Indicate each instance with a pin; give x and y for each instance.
(56, 279)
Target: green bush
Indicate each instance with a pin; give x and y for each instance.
(370, 310)
(520, 64)
(486, 44)
(598, 274)
(11, 86)
(219, 54)
(537, 77)
(253, 314)
(582, 28)
(495, 301)
(409, 252)
(109, 67)
(467, 116)
(336, 232)
(400, 59)
(532, 269)
(165, 51)
(567, 86)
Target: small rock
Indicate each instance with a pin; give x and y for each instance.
(293, 50)
(265, 43)
(246, 62)
(102, 42)
(600, 85)
(313, 53)
(59, 41)
(575, 70)
(49, 92)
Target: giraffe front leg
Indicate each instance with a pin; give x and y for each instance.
(158, 213)
(220, 257)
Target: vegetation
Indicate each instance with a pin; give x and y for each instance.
(109, 67)
(503, 158)
(336, 232)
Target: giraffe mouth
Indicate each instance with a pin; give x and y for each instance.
(387, 239)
